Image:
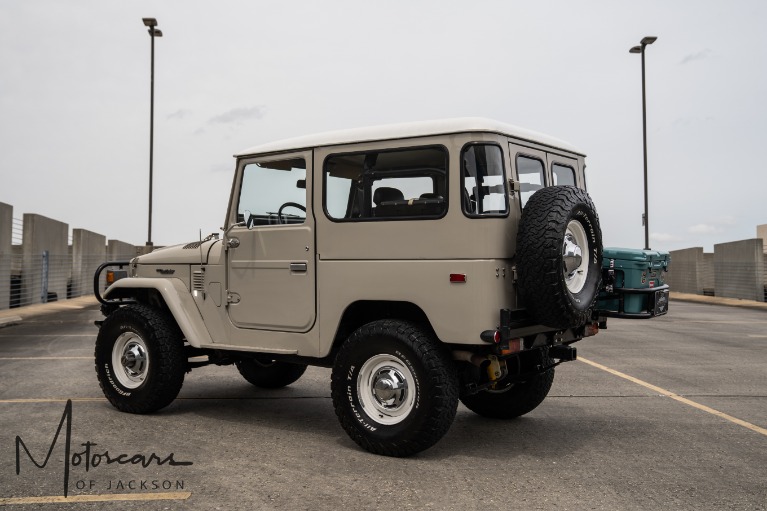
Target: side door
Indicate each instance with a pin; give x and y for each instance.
(271, 263)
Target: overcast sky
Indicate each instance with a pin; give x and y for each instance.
(74, 100)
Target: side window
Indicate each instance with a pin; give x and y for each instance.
(531, 176)
(484, 183)
(562, 174)
(392, 184)
(273, 193)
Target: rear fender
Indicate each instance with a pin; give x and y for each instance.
(176, 297)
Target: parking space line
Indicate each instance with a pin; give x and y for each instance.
(46, 358)
(677, 397)
(47, 335)
(60, 499)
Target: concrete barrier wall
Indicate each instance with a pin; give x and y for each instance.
(739, 269)
(43, 234)
(685, 272)
(120, 251)
(89, 250)
(761, 233)
(6, 253)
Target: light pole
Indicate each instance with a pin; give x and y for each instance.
(645, 218)
(153, 32)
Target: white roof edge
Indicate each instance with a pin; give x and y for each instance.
(409, 130)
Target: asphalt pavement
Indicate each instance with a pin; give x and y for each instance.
(663, 413)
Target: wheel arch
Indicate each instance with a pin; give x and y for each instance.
(169, 294)
(362, 312)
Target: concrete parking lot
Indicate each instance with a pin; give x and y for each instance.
(667, 413)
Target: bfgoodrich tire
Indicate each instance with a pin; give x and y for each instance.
(394, 388)
(269, 374)
(559, 256)
(140, 360)
(513, 399)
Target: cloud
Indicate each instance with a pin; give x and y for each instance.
(704, 229)
(238, 115)
(179, 114)
(664, 237)
(696, 56)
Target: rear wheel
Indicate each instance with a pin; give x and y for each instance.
(514, 398)
(394, 388)
(140, 360)
(269, 374)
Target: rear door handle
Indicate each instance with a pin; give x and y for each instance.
(298, 267)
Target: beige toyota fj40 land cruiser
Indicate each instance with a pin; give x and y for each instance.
(425, 263)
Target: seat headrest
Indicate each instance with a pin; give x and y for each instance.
(385, 193)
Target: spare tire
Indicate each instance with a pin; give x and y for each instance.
(559, 256)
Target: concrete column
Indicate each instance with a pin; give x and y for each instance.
(761, 232)
(43, 234)
(6, 235)
(89, 250)
(120, 251)
(686, 270)
(739, 269)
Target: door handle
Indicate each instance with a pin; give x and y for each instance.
(298, 267)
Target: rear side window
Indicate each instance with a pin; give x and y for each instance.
(484, 183)
(562, 174)
(531, 176)
(386, 185)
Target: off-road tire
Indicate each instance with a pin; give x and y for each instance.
(514, 399)
(394, 351)
(548, 216)
(269, 374)
(153, 335)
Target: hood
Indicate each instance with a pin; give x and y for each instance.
(196, 252)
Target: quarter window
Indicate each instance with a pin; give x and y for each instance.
(386, 185)
(484, 183)
(531, 176)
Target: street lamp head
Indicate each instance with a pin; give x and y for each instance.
(648, 40)
(636, 49)
(149, 22)
(156, 32)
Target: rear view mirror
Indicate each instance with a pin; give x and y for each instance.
(301, 183)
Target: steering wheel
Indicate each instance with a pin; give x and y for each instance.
(288, 205)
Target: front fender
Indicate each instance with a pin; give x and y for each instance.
(177, 298)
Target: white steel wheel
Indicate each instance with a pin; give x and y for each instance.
(385, 389)
(130, 360)
(574, 265)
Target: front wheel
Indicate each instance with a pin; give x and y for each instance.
(140, 361)
(394, 388)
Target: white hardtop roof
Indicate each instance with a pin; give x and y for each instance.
(409, 130)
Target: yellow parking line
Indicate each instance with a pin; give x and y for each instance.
(677, 397)
(60, 499)
(46, 358)
(53, 400)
